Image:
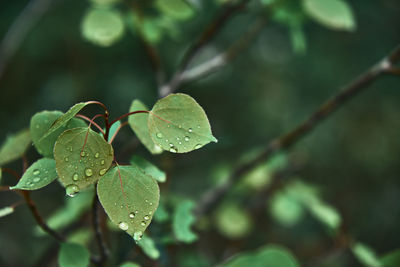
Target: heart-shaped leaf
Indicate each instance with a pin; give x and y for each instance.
(82, 157)
(41, 123)
(177, 123)
(14, 146)
(65, 118)
(138, 123)
(38, 175)
(129, 197)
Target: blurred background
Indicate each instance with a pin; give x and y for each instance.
(346, 188)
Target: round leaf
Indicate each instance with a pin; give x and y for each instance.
(73, 255)
(82, 157)
(177, 123)
(41, 123)
(129, 197)
(38, 175)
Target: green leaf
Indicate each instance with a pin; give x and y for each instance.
(129, 197)
(129, 264)
(334, 14)
(176, 9)
(391, 259)
(103, 27)
(38, 175)
(271, 256)
(177, 123)
(105, 2)
(365, 255)
(81, 236)
(326, 214)
(138, 123)
(73, 255)
(149, 248)
(183, 220)
(149, 168)
(14, 146)
(161, 215)
(286, 209)
(113, 130)
(41, 123)
(233, 221)
(298, 39)
(64, 119)
(80, 164)
(6, 211)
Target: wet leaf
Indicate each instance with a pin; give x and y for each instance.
(178, 124)
(334, 14)
(149, 168)
(41, 123)
(14, 146)
(64, 119)
(138, 123)
(73, 255)
(183, 220)
(81, 164)
(38, 175)
(129, 197)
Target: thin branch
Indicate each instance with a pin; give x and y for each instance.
(213, 196)
(104, 252)
(207, 36)
(18, 31)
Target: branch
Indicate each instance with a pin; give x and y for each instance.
(213, 196)
(104, 252)
(25, 21)
(207, 36)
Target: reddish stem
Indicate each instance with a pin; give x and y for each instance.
(97, 103)
(92, 121)
(128, 114)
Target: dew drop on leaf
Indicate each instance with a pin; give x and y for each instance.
(137, 236)
(123, 226)
(102, 171)
(159, 135)
(131, 215)
(75, 177)
(36, 172)
(89, 172)
(146, 217)
(187, 138)
(71, 190)
(97, 155)
(37, 179)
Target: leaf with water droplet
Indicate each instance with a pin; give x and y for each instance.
(41, 123)
(73, 255)
(6, 211)
(14, 146)
(38, 175)
(149, 248)
(64, 119)
(127, 189)
(179, 116)
(88, 167)
(149, 168)
(183, 220)
(138, 123)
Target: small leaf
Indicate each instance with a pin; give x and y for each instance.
(233, 221)
(365, 255)
(149, 168)
(64, 119)
(177, 9)
(38, 175)
(178, 124)
(286, 209)
(334, 14)
(138, 123)
(129, 264)
(73, 255)
(113, 130)
(103, 27)
(129, 197)
(14, 146)
(80, 163)
(271, 256)
(41, 123)
(183, 220)
(81, 236)
(6, 211)
(391, 259)
(149, 248)
(161, 215)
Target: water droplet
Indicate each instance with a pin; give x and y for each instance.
(146, 200)
(187, 138)
(171, 145)
(131, 215)
(71, 190)
(159, 135)
(102, 162)
(37, 126)
(180, 143)
(190, 130)
(197, 146)
(151, 204)
(146, 217)
(88, 172)
(143, 223)
(102, 171)
(36, 172)
(96, 155)
(178, 138)
(83, 153)
(66, 159)
(137, 235)
(123, 226)
(75, 177)
(70, 148)
(136, 211)
(173, 150)
(37, 179)
(150, 212)
(180, 126)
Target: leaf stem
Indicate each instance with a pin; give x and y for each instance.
(91, 121)
(128, 114)
(116, 132)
